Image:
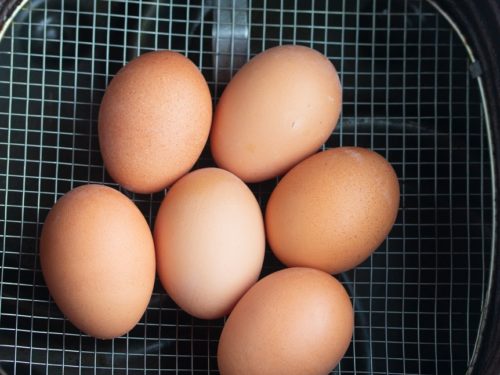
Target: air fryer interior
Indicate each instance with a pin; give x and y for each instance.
(409, 93)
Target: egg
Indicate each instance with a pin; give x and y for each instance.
(297, 321)
(210, 241)
(278, 109)
(154, 121)
(333, 210)
(98, 261)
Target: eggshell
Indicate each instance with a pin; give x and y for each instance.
(210, 242)
(277, 110)
(154, 121)
(297, 321)
(97, 258)
(333, 210)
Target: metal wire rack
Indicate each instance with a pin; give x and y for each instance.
(410, 93)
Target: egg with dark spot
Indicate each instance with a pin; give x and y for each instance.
(278, 109)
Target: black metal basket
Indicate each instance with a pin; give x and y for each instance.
(421, 87)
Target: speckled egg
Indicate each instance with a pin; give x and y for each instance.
(333, 210)
(154, 121)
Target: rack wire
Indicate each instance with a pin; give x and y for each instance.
(409, 94)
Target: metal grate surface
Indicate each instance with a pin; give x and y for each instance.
(408, 94)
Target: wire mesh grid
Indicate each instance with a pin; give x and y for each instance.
(408, 94)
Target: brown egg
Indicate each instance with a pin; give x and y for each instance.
(97, 258)
(333, 210)
(297, 321)
(154, 121)
(277, 110)
(210, 241)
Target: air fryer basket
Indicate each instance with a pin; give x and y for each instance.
(412, 92)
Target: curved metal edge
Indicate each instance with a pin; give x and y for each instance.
(482, 323)
(487, 297)
(10, 17)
